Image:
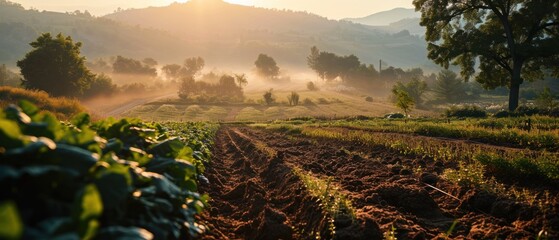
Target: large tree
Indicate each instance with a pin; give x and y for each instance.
(266, 66)
(55, 66)
(508, 40)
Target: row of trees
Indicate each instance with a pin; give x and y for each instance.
(225, 90)
(351, 71)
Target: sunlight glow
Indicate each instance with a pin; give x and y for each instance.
(241, 2)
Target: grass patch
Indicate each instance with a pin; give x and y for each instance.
(335, 203)
(63, 108)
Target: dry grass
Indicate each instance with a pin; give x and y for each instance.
(62, 107)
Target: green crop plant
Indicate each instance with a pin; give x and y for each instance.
(106, 180)
(334, 203)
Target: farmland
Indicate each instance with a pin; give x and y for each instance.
(307, 178)
(377, 182)
(216, 120)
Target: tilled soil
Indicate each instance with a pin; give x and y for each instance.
(255, 195)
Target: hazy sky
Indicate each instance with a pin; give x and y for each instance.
(334, 9)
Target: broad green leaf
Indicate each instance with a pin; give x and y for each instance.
(37, 146)
(90, 208)
(11, 226)
(14, 113)
(114, 145)
(28, 108)
(81, 120)
(91, 204)
(76, 158)
(113, 188)
(10, 134)
(171, 148)
(162, 184)
(44, 125)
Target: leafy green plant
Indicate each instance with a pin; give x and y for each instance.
(106, 180)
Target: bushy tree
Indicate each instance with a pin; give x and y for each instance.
(171, 71)
(150, 62)
(403, 100)
(448, 87)
(349, 69)
(187, 87)
(266, 66)
(123, 65)
(507, 41)
(414, 89)
(546, 100)
(192, 66)
(55, 66)
(100, 85)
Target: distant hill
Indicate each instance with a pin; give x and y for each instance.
(225, 35)
(100, 36)
(227, 31)
(386, 17)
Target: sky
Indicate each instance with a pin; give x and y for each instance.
(333, 9)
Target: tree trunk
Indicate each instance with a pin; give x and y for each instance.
(515, 86)
(513, 96)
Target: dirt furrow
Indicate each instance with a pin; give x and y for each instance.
(256, 196)
(391, 189)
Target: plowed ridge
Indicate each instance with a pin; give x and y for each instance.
(257, 196)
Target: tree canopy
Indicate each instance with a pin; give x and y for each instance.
(55, 66)
(448, 87)
(414, 89)
(266, 66)
(125, 65)
(508, 41)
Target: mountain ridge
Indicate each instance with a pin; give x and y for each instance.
(385, 18)
(226, 35)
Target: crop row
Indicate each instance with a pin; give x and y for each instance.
(503, 163)
(110, 179)
(537, 133)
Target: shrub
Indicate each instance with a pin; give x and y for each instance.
(504, 114)
(269, 97)
(307, 102)
(466, 111)
(311, 86)
(61, 107)
(394, 115)
(323, 101)
(293, 99)
(369, 99)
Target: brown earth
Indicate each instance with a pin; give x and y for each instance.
(255, 195)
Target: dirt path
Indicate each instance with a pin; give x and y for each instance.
(385, 187)
(117, 105)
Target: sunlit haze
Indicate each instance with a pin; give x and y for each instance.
(334, 9)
